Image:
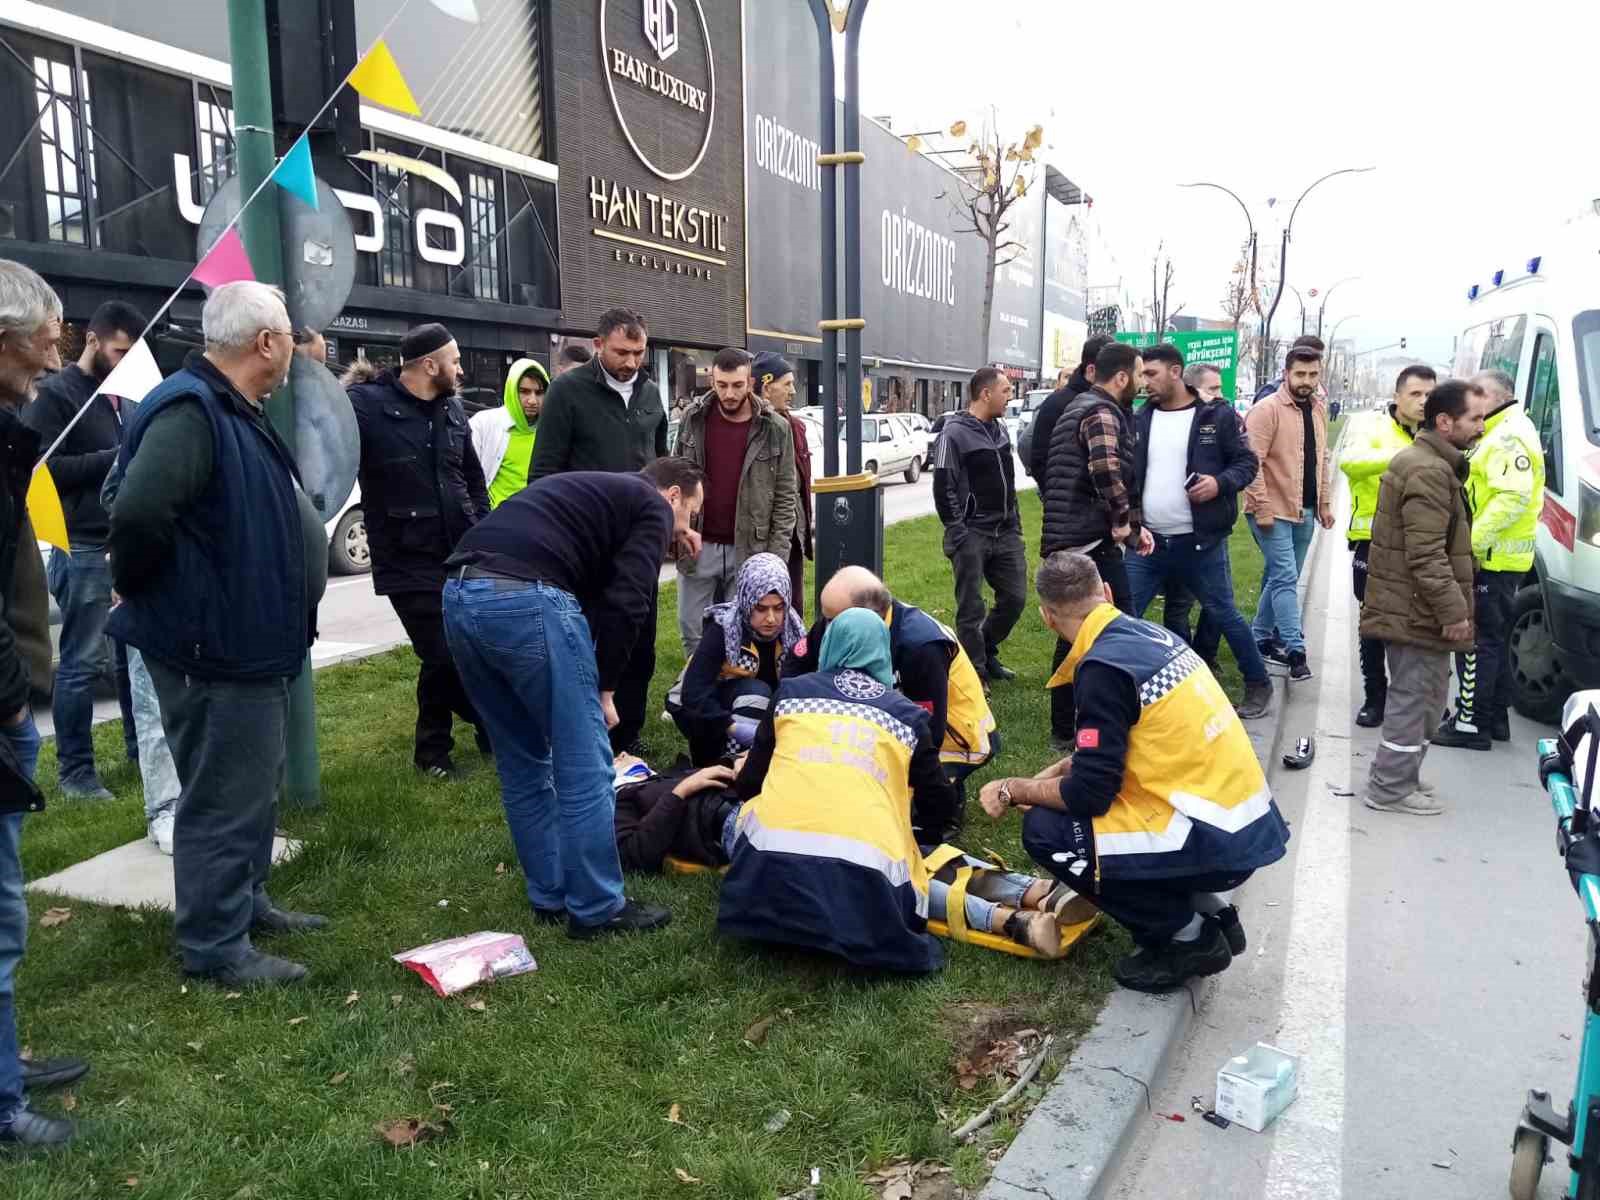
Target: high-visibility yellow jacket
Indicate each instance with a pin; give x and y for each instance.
(968, 719)
(1368, 447)
(1193, 798)
(1505, 490)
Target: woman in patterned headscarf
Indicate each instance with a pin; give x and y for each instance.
(730, 680)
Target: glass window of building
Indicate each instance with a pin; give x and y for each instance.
(394, 199)
(483, 235)
(214, 126)
(67, 160)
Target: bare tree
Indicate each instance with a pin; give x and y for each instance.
(1239, 299)
(1161, 276)
(997, 177)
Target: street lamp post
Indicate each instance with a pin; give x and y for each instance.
(1302, 301)
(1333, 342)
(1249, 224)
(1323, 307)
(1283, 249)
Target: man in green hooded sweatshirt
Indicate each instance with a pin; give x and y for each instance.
(504, 437)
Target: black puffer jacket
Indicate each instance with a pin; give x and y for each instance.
(421, 484)
(1044, 424)
(1074, 514)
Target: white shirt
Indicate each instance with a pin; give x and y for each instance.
(625, 390)
(1166, 503)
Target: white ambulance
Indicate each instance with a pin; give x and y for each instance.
(1538, 320)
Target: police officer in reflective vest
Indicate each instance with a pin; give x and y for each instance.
(1505, 491)
(1162, 804)
(1365, 456)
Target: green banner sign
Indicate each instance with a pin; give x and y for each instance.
(1218, 348)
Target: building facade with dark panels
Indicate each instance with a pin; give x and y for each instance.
(104, 192)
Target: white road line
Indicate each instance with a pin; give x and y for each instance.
(1308, 1148)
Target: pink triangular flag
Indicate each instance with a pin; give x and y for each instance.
(226, 262)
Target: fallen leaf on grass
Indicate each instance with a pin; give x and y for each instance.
(967, 1082)
(69, 1102)
(233, 995)
(478, 1006)
(405, 1132)
(674, 1115)
(684, 1176)
(500, 869)
(406, 1064)
(53, 917)
(132, 1181)
(339, 1078)
(196, 1046)
(351, 999)
(298, 1020)
(757, 1033)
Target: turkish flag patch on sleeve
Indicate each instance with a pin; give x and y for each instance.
(1088, 739)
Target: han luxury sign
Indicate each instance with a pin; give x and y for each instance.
(635, 84)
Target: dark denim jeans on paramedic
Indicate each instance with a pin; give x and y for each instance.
(24, 741)
(1203, 570)
(526, 658)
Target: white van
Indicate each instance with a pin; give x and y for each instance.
(1539, 321)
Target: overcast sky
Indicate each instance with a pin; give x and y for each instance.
(1481, 120)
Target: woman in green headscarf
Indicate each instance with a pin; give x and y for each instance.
(858, 640)
(503, 437)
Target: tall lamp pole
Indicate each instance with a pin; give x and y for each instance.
(1249, 224)
(1333, 340)
(1323, 307)
(1302, 301)
(1283, 249)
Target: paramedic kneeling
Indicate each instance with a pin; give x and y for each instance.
(1163, 804)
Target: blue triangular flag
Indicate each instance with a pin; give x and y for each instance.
(294, 173)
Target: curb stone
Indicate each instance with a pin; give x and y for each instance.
(1072, 1143)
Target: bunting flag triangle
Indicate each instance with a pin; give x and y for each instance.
(294, 174)
(225, 262)
(378, 78)
(44, 509)
(135, 376)
(461, 10)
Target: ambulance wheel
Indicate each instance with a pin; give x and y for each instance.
(1528, 1153)
(1539, 684)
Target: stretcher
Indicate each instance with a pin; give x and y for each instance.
(956, 928)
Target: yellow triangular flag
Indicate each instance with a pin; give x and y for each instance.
(378, 79)
(44, 507)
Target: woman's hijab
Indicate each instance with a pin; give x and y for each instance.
(760, 576)
(858, 640)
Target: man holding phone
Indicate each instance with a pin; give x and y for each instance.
(1192, 462)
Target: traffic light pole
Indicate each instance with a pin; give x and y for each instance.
(263, 242)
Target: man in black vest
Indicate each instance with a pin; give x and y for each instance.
(1091, 494)
(221, 559)
(421, 489)
(81, 580)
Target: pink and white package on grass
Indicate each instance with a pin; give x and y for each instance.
(455, 964)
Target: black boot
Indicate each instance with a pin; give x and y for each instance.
(1371, 714)
(1500, 726)
(1450, 733)
(996, 670)
(1165, 969)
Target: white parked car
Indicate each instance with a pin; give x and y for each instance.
(347, 539)
(890, 444)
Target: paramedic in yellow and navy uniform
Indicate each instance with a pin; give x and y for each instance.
(1162, 804)
(821, 852)
(930, 669)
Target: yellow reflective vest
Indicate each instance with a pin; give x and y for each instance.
(1193, 798)
(1506, 491)
(1365, 456)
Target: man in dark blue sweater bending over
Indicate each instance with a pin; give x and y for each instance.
(543, 602)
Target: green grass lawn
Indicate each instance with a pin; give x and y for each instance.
(562, 1084)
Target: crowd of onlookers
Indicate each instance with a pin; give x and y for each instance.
(825, 766)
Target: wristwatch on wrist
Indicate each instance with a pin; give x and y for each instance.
(1005, 792)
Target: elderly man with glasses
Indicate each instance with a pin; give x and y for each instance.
(221, 559)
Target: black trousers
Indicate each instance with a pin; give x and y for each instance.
(633, 691)
(1151, 910)
(1483, 674)
(1176, 611)
(797, 575)
(440, 696)
(1000, 559)
(1374, 677)
(1063, 712)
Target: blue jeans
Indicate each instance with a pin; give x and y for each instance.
(526, 658)
(81, 585)
(156, 768)
(24, 741)
(1004, 887)
(1283, 547)
(1203, 571)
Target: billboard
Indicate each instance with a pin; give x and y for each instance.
(921, 282)
(1014, 334)
(1217, 348)
(1066, 275)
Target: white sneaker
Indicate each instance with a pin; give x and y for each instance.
(161, 831)
(1417, 804)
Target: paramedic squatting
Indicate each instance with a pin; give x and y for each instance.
(1135, 821)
